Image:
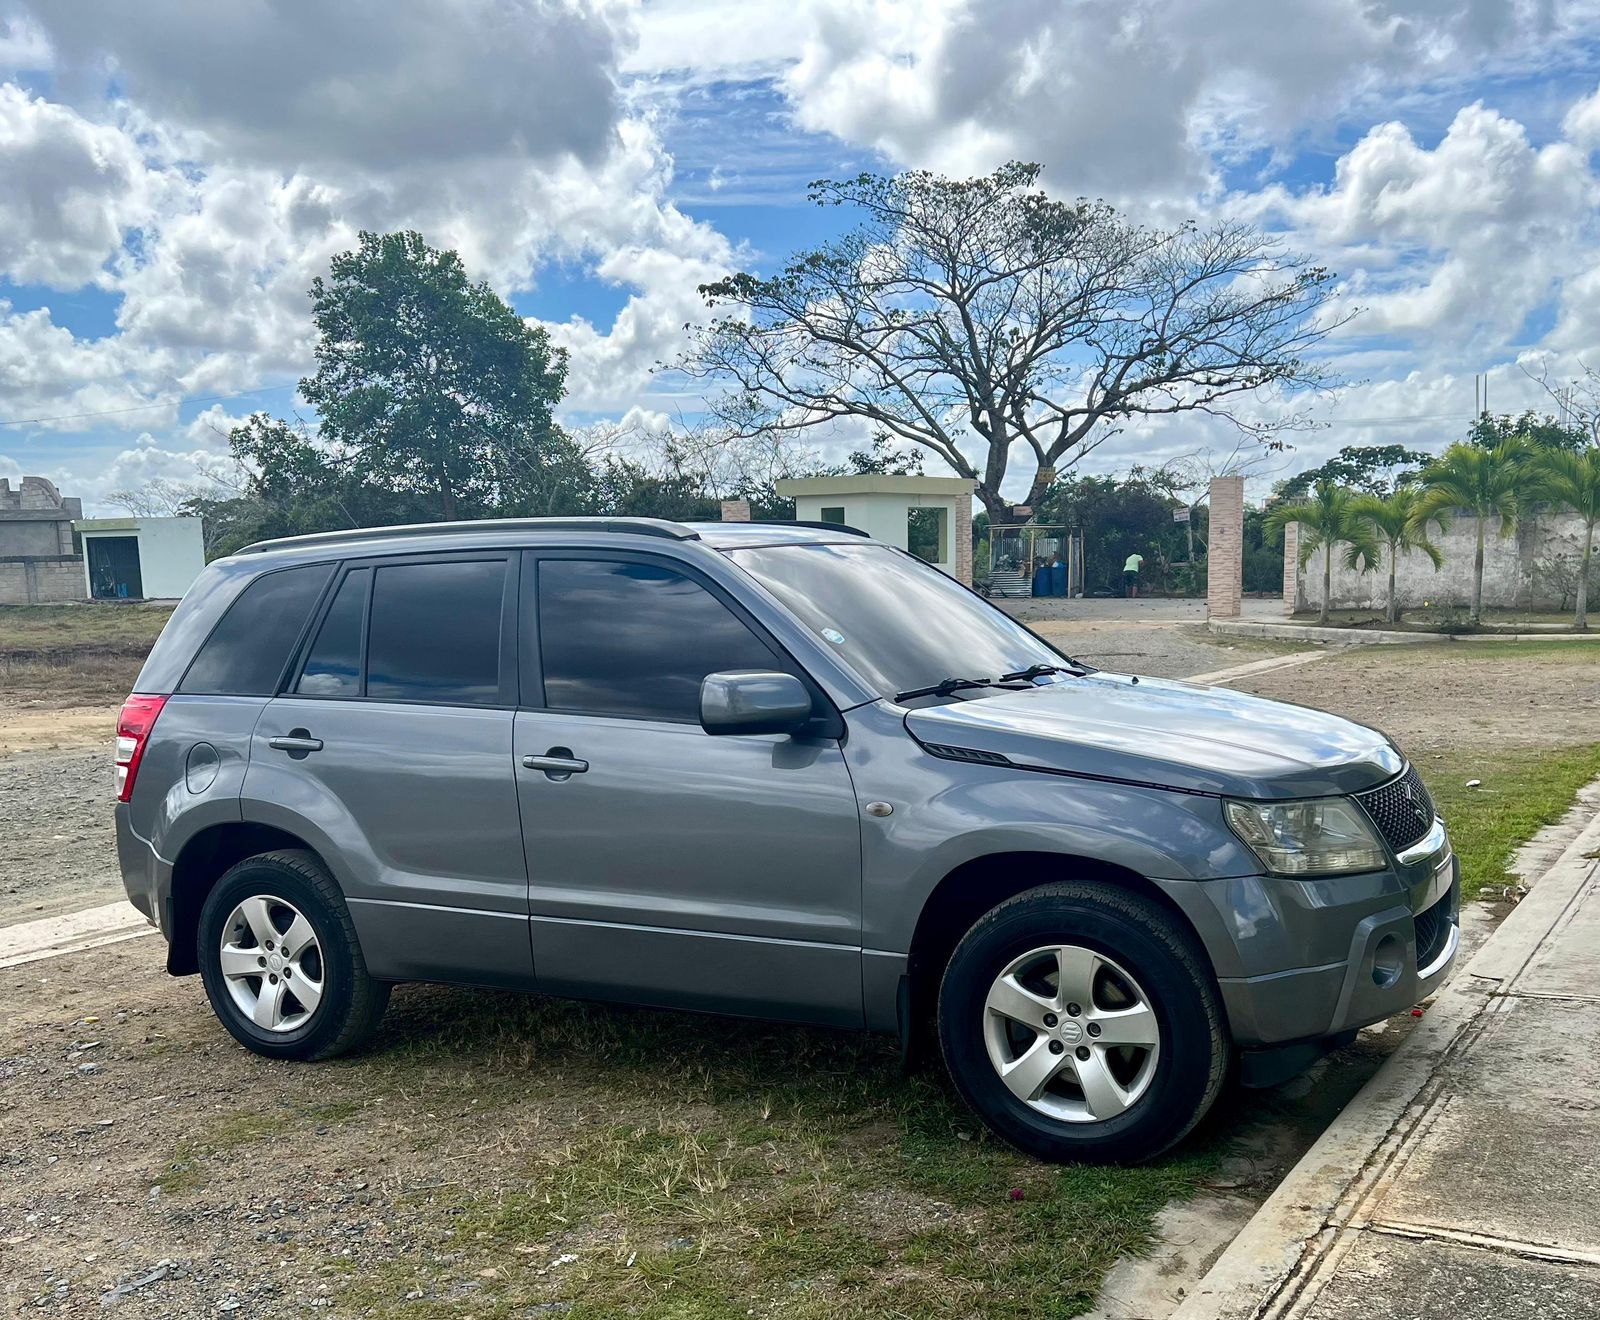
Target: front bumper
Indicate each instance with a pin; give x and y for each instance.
(1395, 937)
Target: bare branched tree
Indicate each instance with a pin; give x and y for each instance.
(1577, 398)
(974, 316)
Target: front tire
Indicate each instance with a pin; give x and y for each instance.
(281, 963)
(1081, 1022)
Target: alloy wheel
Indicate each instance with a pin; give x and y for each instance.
(1071, 1033)
(272, 963)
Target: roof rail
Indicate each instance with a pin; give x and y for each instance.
(635, 526)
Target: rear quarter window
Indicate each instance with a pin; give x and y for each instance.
(249, 649)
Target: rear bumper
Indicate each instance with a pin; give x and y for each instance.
(1399, 944)
(145, 877)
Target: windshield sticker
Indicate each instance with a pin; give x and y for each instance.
(834, 636)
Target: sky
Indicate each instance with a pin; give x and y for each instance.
(173, 174)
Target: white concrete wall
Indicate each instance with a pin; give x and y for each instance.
(883, 516)
(171, 551)
(1511, 577)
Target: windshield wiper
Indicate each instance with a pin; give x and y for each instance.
(944, 688)
(1039, 671)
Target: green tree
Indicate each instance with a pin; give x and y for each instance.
(1538, 431)
(981, 314)
(432, 385)
(1394, 522)
(1573, 481)
(1117, 516)
(1328, 518)
(1369, 469)
(1485, 483)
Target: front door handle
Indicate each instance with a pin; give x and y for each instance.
(297, 742)
(558, 763)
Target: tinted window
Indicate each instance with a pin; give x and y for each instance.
(901, 624)
(434, 633)
(333, 669)
(246, 653)
(635, 639)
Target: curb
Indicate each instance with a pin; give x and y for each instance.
(1311, 632)
(49, 937)
(1293, 1240)
(1266, 666)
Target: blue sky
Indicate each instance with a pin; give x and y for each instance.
(176, 173)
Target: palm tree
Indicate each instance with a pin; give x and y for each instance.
(1573, 479)
(1393, 520)
(1327, 519)
(1484, 482)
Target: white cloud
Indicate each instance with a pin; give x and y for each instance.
(72, 190)
(1142, 98)
(1453, 247)
(376, 84)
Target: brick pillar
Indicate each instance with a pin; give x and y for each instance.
(961, 540)
(1225, 549)
(735, 510)
(1291, 567)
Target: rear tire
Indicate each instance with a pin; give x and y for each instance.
(1082, 1023)
(281, 963)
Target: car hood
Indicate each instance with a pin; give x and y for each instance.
(1176, 735)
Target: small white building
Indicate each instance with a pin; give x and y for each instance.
(140, 558)
(929, 516)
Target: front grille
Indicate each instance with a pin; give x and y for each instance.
(1433, 929)
(1401, 809)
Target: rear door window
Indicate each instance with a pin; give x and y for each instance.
(249, 649)
(333, 668)
(435, 632)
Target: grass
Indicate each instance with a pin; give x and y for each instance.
(631, 1163)
(92, 626)
(65, 655)
(1521, 790)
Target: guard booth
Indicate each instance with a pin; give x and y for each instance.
(139, 558)
(929, 516)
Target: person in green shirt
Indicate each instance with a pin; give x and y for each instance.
(1130, 575)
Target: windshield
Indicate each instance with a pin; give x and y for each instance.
(899, 623)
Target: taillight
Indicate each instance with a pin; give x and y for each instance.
(138, 717)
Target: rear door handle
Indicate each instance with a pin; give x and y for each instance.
(557, 763)
(295, 742)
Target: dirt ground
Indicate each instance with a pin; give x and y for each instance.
(1429, 698)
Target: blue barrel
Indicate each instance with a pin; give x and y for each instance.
(1058, 579)
(1041, 580)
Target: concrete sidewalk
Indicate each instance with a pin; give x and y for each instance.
(1464, 1179)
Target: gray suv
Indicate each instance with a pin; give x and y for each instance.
(774, 770)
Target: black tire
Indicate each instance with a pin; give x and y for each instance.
(1170, 968)
(351, 1002)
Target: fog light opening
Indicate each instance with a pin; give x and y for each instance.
(1388, 961)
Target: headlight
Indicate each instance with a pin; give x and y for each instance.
(1323, 836)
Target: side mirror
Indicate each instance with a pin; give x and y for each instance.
(753, 701)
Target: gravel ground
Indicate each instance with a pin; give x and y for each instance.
(57, 847)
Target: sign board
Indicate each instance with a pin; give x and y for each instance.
(1181, 515)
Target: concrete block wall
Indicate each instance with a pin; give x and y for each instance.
(41, 581)
(1512, 578)
(1225, 551)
